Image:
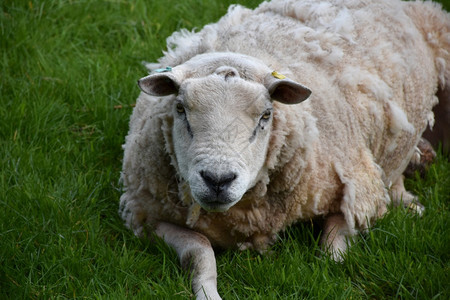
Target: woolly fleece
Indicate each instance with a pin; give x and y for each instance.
(373, 66)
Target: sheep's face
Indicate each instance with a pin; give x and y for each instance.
(221, 134)
(222, 124)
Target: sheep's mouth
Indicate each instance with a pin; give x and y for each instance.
(216, 204)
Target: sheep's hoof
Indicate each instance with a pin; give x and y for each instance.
(423, 157)
(416, 207)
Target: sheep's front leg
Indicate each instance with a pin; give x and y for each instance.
(336, 236)
(196, 254)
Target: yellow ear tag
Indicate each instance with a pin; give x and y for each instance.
(278, 75)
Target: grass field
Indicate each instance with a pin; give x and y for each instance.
(68, 72)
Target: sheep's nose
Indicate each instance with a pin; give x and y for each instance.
(218, 183)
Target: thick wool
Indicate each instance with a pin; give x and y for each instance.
(373, 66)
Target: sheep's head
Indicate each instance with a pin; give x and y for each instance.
(222, 124)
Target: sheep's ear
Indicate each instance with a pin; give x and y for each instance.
(285, 90)
(162, 84)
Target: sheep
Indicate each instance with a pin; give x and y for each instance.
(292, 111)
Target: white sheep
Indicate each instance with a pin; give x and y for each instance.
(292, 111)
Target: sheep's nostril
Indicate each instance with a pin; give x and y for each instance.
(228, 178)
(218, 182)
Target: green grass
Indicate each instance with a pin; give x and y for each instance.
(64, 66)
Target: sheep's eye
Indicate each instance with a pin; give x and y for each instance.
(180, 108)
(266, 115)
